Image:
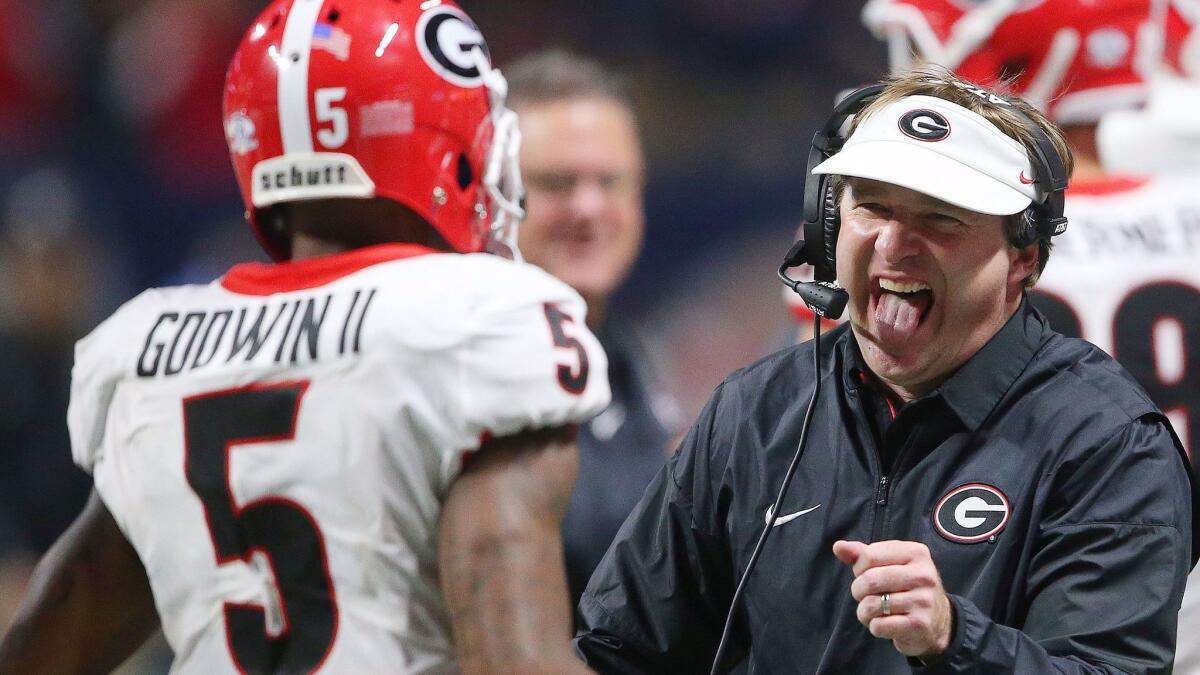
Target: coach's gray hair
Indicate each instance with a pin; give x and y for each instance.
(557, 75)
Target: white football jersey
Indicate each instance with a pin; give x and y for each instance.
(1126, 277)
(1187, 652)
(277, 444)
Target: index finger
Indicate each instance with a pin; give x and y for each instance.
(891, 552)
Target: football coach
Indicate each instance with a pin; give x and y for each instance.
(976, 493)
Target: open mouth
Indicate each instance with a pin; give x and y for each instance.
(900, 306)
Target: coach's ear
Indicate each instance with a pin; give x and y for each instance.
(1022, 266)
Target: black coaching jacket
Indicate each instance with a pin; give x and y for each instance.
(1053, 495)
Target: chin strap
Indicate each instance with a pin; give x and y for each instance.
(502, 171)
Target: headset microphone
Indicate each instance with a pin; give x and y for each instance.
(824, 299)
(821, 296)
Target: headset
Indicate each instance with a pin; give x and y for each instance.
(822, 220)
(1041, 220)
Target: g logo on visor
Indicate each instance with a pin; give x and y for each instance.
(924, 125)
(447, 39)
(971, 513)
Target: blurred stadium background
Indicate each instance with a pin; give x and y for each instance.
(114, 177)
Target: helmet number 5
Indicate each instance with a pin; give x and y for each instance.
(327, 112)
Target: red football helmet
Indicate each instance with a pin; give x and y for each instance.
(374, 98)
(1189, 59)
(1075, 59)
(1164, 136)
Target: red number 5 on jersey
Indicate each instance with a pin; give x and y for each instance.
(573, 381)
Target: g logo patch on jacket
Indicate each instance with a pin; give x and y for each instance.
(971, 513)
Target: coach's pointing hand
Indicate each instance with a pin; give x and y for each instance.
(900, 595)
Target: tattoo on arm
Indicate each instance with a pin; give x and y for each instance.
(501, 557)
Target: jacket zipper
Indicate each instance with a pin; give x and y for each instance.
(881, 500)
(883, 491)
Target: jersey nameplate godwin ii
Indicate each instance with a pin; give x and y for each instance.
(288, 330)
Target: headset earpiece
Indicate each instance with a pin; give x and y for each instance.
(1029, 228)
(1029, 231)
(831, 222)
(821, 217)
(1044, 219)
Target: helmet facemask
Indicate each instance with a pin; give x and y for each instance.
(502, 171)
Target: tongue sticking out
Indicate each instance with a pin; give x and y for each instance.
(898, 315)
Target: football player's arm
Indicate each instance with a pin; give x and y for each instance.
(500, 553)
(89, 604)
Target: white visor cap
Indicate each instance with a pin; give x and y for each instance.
(940, 149)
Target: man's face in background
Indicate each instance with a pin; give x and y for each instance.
(581, 160)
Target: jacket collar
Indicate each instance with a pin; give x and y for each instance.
(973, 392)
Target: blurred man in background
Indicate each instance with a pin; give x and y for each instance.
(584, 173)
(1125, 274)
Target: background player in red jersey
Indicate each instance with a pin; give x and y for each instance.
(356, 459)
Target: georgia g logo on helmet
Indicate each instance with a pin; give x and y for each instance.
(924, 125)
(447, 39)
(971, 513)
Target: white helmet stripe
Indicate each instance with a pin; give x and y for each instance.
(1049, 77)
(902, 23)
(294, 127)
